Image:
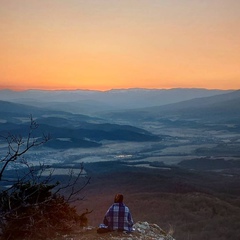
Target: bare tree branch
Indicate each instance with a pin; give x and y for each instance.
(17, 146)
(32, 200)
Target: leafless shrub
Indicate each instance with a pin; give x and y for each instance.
(31, 203)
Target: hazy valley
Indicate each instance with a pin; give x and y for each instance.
(174, 154)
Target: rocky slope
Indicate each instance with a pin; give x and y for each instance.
(142, 231)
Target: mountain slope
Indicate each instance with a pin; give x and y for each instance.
(84, 101)
(224, 107)
(67, 130)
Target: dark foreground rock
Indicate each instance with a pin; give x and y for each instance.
(142, 231)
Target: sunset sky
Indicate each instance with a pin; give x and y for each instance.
(109, 44)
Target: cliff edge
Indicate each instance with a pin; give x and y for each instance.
(142, 231)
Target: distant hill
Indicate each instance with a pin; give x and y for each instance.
(66, 129)
(86, 101)
(219, 108)
(16, 110)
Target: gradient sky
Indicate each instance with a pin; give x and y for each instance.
(106, 44)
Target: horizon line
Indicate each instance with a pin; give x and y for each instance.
(111, 89)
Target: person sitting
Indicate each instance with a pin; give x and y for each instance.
(118, 216)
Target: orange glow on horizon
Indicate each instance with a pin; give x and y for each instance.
(107, 45)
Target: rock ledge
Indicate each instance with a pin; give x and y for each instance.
(142, 231)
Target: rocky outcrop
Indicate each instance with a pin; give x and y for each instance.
(145, 230)
(142, 231)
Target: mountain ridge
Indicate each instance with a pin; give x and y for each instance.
(225, 105)
(108, 100)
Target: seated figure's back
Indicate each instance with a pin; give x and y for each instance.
(118, 216)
